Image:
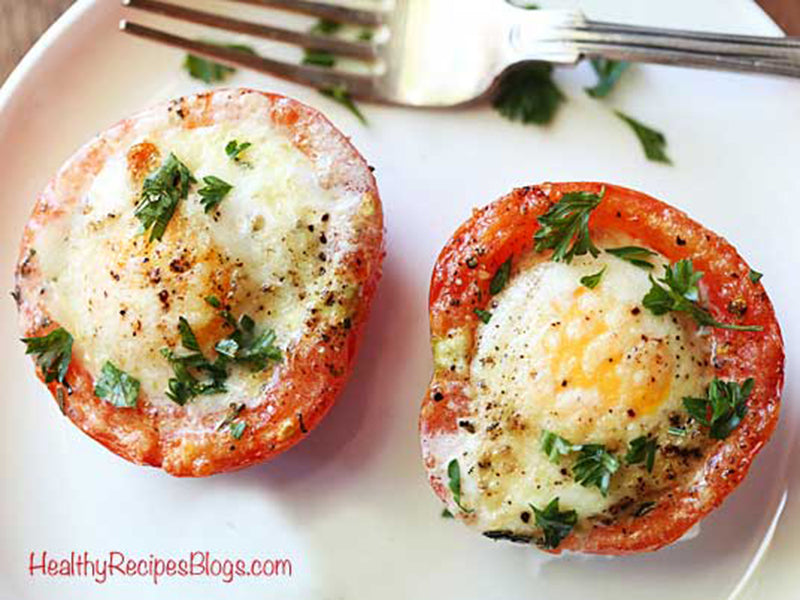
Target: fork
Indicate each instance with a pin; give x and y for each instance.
(424, 53)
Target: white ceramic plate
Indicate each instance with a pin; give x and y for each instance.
(351, 507)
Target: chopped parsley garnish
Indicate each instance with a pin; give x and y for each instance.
(755, 276)
(325, 27)
(209, 71)
(237, 429)
(592, 281)
(565, 226)
(161, 193)
(319, 58)
(678, 291)
(234, 149)
(446, 514)
(213, 301)
(555, 524)
(53, 353)
(723, 408)
(245, 347)
(636, 255)
(366, 35)
(678, 431)
(594, 467)
(555, 446)
(454, 475)
(653, 142)
(116, 387)
(213, 193)
(484, 315)
(528, 94)
(642, 450)
(608, 73)
(339, 93)
(186, 384)
(500, 278)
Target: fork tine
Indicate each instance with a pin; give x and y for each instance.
(358, 86)
(317, 42)
(323, 10)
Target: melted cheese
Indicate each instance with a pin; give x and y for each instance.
(273, 250)
(593, 366)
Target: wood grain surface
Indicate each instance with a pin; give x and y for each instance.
(23, 21)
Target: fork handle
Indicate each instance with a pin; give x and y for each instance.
(772, 55)
(565, 36)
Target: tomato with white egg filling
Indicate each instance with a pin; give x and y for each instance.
(563, 380)
(194, 281)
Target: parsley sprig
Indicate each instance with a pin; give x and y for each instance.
(608, 73)
(636, 255)
(209, 71)
(161, 193)
(234, 149)
(454, 483)
(555, 446)
(565, 226)
(53, 353)
(116, 387)
(593, 280)
(642, 450)
(213, 192)
(653, 142)
(194, 374)
(723, 408)
(594, 467)
(678, 291)
(528, 94)
(554, 523)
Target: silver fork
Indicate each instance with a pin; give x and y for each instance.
(426, 54)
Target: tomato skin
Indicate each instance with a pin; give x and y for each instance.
(312, 374)
(505, 228)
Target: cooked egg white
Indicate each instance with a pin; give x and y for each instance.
(272, 249)
(591, 365)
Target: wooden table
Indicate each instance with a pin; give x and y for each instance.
(23, 21)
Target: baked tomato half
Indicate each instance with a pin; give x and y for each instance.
(193, 282)
(605, 370)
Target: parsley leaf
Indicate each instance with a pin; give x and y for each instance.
(642, 450)
(592, 281)
(723, 408)
(54, 353)
(678, 291)
(319, 58)
(234, 149)
(653, 142)
(339, 93)
(636, 255)
(565, 226)
(213, 193)
(116, 387)
(237, 429)
(528, 94)
(454, 475)
(555, 446)
(555, 524)
(608, 73)
(325, 27)
(500, 278)
(209, 71)
(446, 514)
(187, 369)
(161, 193)
(594, 467)
(484, 315)
(677, 431)
(755, 276)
